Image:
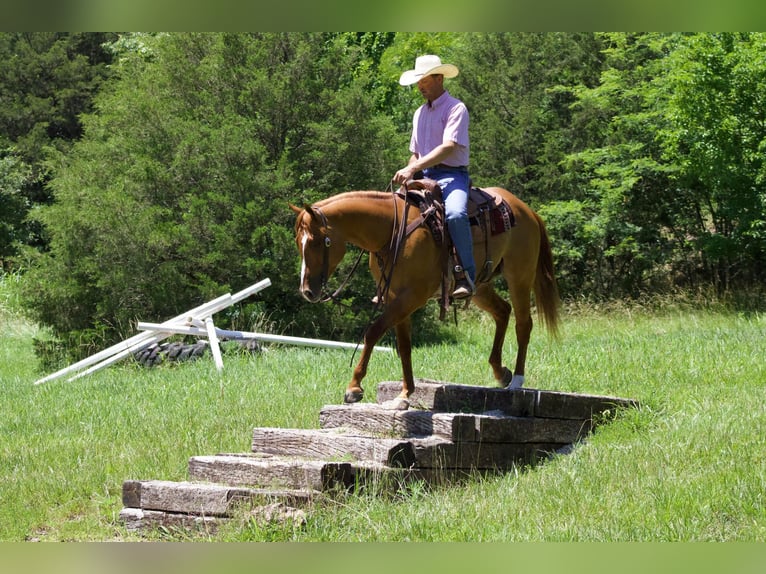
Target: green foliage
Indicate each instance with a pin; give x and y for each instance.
(47, 80)
(674, 169)
(717, 138)
(519, 88)
(14, 175)
(179, 189)
(641, 150)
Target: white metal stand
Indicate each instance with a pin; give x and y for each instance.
(197, 322)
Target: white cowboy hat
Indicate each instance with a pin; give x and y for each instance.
(427, 66)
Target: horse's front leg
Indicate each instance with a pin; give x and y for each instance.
(354, 391)
(404, 346)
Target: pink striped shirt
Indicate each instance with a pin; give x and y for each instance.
(443, 120)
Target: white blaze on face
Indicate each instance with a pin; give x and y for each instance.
(304, 241)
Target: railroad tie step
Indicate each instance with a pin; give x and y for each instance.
(440, 396)
(200, 499)
(266, 470)
(333, 444)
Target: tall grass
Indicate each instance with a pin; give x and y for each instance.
(687, 465)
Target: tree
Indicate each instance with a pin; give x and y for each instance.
(519, 88)
(14, 175)
(717, 138)
(46, 81)
(178, 190)
(624, 194)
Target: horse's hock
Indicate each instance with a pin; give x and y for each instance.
(449, 432)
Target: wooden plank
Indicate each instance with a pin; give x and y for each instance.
(138, 519)
(371, 418)
(435, 452)
(508, 429)
(554, 404)
(272, 472)
(249, 291)
(215, 348)
(132, 489)
(450, 397)
(186, 497)
(332, 444)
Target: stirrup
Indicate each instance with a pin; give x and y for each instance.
(464, 289)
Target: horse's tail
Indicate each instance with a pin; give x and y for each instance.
(546, 288)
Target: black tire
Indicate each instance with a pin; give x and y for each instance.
(175, 352)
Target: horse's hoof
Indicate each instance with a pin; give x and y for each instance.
(397, 404)
(516, 383)
(353, 396)
(507, 377)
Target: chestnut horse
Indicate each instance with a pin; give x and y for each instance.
(367, 219)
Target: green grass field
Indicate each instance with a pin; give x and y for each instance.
(686, 466)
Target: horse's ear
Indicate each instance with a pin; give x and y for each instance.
(295, 209)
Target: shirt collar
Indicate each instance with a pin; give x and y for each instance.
(438, 101)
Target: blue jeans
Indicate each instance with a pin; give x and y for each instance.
(454, 184)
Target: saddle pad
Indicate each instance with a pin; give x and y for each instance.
(481, 201)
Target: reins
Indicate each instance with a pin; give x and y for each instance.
(326, 263)
(399, 233)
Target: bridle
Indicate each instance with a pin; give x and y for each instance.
(324, 276)
(399, 234)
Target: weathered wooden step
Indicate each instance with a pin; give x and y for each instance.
(138, 519)
(457, 427)
(446, 397)
(438, 453)
(338, 444)
(272, 471)
(441, 396)
(203, 499)
(508, 429)
(374, 419)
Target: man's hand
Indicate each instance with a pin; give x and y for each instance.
(404, 175)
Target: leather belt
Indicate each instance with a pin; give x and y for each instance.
(452, 167)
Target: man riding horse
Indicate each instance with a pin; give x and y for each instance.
(439, 146)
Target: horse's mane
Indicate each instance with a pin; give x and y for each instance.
(367, 195)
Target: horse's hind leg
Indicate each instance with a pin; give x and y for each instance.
(488, 300)
(520, 299)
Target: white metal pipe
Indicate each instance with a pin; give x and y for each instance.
(203, 310)
(213, 339)
(121, 355)
(142, 340)
(268, 338)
